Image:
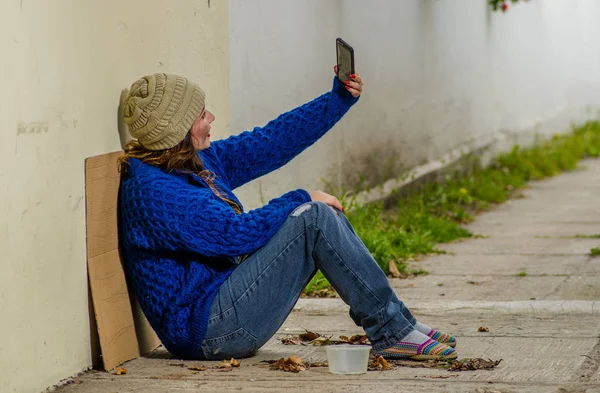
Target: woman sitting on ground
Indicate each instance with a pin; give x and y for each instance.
(216, 281)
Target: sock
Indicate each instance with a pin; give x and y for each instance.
(443, 338)
(421, 327)
(415, 337)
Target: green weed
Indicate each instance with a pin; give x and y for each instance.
(595, 236)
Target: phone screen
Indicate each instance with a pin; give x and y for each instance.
(344, 61)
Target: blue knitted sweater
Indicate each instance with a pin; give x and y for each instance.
(178, 239)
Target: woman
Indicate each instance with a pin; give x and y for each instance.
(215, 281)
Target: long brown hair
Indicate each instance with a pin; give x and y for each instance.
(182, 157)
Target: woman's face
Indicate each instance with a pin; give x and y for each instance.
(201, 130)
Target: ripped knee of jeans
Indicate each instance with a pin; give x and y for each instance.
(301, 209)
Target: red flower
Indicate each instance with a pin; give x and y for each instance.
(504, 7)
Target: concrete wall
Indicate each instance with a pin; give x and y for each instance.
(64, 64)
(439, 75)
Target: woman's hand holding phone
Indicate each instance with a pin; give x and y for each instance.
(354, 85)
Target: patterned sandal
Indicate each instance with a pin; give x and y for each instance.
(443, 338)
(429, 350)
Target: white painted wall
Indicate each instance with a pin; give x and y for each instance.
(439, 74)
(64, 64)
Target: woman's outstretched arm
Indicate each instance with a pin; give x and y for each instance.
(252, 154)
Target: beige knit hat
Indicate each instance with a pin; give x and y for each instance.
(160, 109)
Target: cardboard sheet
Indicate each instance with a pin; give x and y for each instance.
(123, 331)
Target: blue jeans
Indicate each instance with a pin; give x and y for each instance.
(256, 299)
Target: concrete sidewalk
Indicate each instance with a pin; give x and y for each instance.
(544, 323)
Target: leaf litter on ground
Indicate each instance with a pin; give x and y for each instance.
(293, 364)
(467, 364)
(473, 364)
(316, 339)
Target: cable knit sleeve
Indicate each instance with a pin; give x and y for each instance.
(252, 154)
(160, 215)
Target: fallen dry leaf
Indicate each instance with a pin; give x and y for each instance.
(440, 376)
(234, 363)
(379, 364)
(197, 367)
(77, 381)
(292, 364)
(474, 282)
(309, 336)
(483, 329)
(394, 269)
(473, 364)
(322, 341)
(358, 338)
(120, 371)
(291, 340)
(224, 364)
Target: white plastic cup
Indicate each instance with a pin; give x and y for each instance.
(348, 359)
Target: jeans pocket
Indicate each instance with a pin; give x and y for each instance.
(237, 344)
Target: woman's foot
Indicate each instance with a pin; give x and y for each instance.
(418, 346)
(438, 336)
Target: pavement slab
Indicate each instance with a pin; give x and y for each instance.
(471, 287)
(591, 268)
(508, 265)
(520, 245)
(551, 228)
(578, 287)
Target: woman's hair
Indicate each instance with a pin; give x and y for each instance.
(182, 157)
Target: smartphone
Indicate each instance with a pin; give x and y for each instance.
(345, 59)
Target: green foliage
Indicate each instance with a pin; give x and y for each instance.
(595, 251)
(434, 214)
